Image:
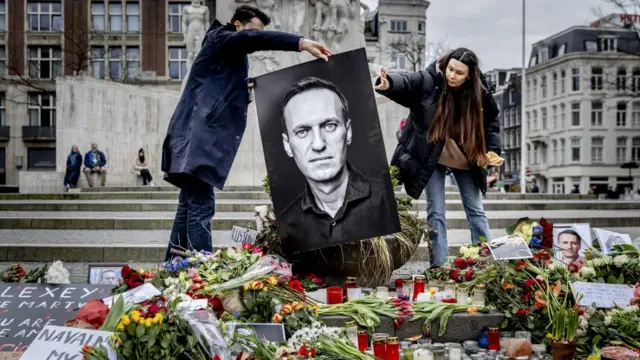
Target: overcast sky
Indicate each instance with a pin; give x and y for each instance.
(493, 28)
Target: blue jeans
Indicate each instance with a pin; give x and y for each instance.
(192, 224)
(471, 201)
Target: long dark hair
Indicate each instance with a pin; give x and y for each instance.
(141, 157)
(468, 126)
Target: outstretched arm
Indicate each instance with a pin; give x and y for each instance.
(251, 40)
(406, 89)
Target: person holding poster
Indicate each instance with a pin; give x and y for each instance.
(207, 126)
(453, 124)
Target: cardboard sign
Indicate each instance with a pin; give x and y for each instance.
(142, 293)
(25, 309)
(64, 343)
(605, 296)
(10, 355)
(243, 235)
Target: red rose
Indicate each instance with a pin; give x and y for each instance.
(247, 246)
(303, 351)
(152, 310)
(527, 296)
(296, 285)
(471, 262)
(460, 263)
(528, 283)
(318, 281)
(523, 312)
(311, 276)
(455, 275)
(126, 271)
(521, 265)
(215, 303)
(574, 268)
(469, 275)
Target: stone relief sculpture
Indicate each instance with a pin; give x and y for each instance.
(270, 7)
(195, 21)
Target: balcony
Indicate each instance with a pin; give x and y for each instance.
(5, 133)
(38, 133)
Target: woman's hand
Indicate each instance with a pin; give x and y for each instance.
(384, 82)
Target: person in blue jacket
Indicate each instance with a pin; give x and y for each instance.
(95, 162)
(208, 124)
(74, 163)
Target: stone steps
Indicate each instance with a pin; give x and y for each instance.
(256, 195)
(173, 188)
(248, 205)
(151, 220)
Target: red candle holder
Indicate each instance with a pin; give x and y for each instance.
(494, 339)
(334, 295)
(380, 348)
(393, 349)
(350, 283)
(418, 286)
(363, 340)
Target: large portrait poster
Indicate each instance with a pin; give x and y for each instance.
(324, 153)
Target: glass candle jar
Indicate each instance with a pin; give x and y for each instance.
(393, 349)
(450, 286)
(407, 288)
(437, 284)
(382, 292)
(334, 295)
(350, 283)
(419, 283)
(455, 353)
(462, 294)
(351, 329)
(478, 294)
(380, 347)
(494, 339)
(363, 340)
(398, 283)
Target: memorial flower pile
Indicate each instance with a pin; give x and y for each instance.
(54, 273)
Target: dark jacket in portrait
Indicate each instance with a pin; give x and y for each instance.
(369, 210)
(416, 156)
(208, 124)
(101, 159)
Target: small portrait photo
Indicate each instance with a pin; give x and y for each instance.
(325, 155)
(608, 239)
(510, 247)
(571, 241)
(105, 274)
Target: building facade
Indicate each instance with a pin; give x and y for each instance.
(583, 109)
(137, 42)
(395, 34)
(507, 96)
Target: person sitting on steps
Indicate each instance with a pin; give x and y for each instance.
(95, 162)
(142, 169)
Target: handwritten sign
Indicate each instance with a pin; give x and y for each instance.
(64, 343)
(10, 355)
(605, 296)
(137, 295)
(25, 309)
(243, 235)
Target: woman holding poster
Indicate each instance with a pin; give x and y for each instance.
(453, 124)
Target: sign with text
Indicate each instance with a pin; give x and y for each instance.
(243, 235)
(25, 309)
(605, 296)
(64, 343)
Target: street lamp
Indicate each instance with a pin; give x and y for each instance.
(523, 103)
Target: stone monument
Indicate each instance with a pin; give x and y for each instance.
(195, 22)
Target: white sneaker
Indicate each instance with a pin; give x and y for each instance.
(151, 184)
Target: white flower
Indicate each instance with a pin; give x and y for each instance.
(555, 265)
(591, 311)
(584, 323)
(621, 260)
(597, 262)
(607, 320)
(589, 263)
(607, 260)
(587, 271)
(470, 252)
(580, 333)
(57, 274)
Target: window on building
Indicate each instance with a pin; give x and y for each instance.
(563, 81)
(597, 78)
(399, 60)
(543, 86)
(535, 153)
(421, 27)
(543, 115)
(98, 62)
(562, 49)
(535, 120)
(591, 46)
(518, 114)
(44, 15)
(563, 110)
(575, 150)
(175, 16)
(635, 80)
(554, 152)
(621, 79)
(561, 153)
(133, 62)
(528, 90)
(621, 114)
(596, 113)
(3, 17)
(608, 44)
(529, 154)
(543, 154)
(3, 60)
(115, 63)
(3, 110)
(45, 62)
(544, 54)
(575, 114)
(635, 114)
(528, 115)
(177, 62)
(554, 117)
(41, 159)
(621, 150)
(635, 149)
(533, 61)
(511, 97)
(554, 83)
(535, 90)
(597, 147)
(133, 17)
(398, 25)
(97, 16)
(575, 79)
(42, 109)
(115, 17)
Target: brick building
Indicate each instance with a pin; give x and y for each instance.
(137, 42)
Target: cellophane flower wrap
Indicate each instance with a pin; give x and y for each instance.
(205, 326)
(266, 266)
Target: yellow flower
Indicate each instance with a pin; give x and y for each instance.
(257, 285)
(315, 308)
(119, 340)
(158, 318)
(472, 310)
(141, 272)
(135, 316)
(148, 322)
(593, 357)
(287, 309)
(125, 320)
(272, 280)
(277, 318)
(297, 305)
(247, 286)
(265, 289)
(120, 327)
(549, 336)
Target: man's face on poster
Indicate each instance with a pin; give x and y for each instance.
(108, 277)
(317, 134)
(569, 245)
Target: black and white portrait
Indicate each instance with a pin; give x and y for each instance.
(608, 239)
(324, 153)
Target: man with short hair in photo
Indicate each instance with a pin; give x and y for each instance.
(108, 277)
(569, 243)
(339, 204)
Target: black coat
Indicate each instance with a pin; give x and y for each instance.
(415, 156)
(208, 124)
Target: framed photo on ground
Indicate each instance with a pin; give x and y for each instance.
(325, 156)
(105, 274)
(608, 239)
(571, 241)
